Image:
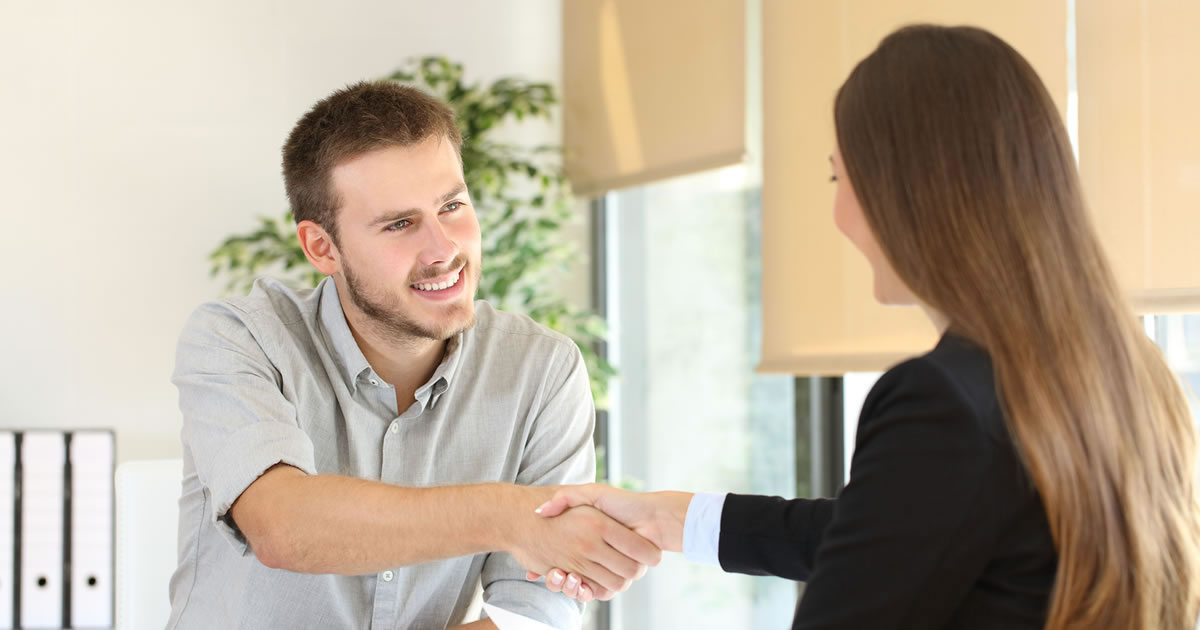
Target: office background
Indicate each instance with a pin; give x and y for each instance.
(138, 135)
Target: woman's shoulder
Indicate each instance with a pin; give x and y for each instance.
(955, 380)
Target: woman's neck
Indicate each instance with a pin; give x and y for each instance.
(936, 317)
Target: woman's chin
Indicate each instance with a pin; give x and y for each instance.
(888, 297)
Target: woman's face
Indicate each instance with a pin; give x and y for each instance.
(848, 216)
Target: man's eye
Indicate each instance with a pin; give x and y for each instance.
(399, 225)
(452, 206)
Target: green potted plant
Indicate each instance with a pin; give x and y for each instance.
(522, 200)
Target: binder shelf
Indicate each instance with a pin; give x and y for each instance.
(56, 529)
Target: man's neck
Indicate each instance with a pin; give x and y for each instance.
(405, 364)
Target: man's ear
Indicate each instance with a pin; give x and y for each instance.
(318, 247)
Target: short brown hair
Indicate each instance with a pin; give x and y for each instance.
(354, 120)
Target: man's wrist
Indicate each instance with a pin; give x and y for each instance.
(510, 513)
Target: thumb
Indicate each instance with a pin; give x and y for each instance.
(569, 497)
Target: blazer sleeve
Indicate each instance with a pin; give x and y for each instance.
(771, 535)
(911, 531)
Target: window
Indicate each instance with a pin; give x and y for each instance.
(1179, 338)
(688, 412)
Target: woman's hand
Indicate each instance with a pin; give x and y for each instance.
(658, 517)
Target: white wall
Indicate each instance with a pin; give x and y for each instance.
(137, 135)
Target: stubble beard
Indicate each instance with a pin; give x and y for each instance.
(387, 316)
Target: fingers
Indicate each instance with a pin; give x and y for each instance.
(567, 497)
(576, 588)
(616, 562)
(599, 593)
(555, 580)
(589, 543)
(601, 575)
(610, 545)
(634, 547)
(555, 506)
(572, 585)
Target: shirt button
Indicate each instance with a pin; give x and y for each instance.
(395, 427)
(388, 575)
(374, 382)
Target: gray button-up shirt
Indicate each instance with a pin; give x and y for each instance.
(276, 376)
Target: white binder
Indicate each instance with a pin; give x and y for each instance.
(8, 463)
(91, 529)
(43, 460)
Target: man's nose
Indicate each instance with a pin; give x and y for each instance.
(438, 248)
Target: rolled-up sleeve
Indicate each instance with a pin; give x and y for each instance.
(560, 451)
(236, 421)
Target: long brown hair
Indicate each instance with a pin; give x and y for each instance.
(964, 172)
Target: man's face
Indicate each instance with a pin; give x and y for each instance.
(409, 240)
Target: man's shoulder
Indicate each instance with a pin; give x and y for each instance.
(270, 301)
(271, 310)
(514, 330)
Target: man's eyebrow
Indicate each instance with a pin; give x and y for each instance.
(458, 190)
(393, 216)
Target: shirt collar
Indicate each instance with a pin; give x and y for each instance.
(346, 352)
(354, 365)
(429, 393)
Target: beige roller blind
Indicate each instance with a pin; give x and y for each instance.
(819, 316)
(1138, 64)
(652, 89)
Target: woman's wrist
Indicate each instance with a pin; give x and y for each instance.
(672, 514)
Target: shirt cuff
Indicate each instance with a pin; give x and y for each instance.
(504, 585)
(702, 528)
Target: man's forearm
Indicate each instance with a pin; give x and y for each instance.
(336, 524)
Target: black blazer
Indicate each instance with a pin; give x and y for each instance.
(939, 526)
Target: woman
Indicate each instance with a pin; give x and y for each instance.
(1035, 469)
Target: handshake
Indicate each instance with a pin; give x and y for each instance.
(592, 541)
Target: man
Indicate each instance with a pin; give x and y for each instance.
(361, 454)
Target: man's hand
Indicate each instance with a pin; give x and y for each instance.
(600, 552)
(657, 517)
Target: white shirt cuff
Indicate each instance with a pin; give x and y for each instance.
(702, 528)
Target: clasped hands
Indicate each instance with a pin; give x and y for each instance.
(613, 536)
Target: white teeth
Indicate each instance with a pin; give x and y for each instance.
(439, 286)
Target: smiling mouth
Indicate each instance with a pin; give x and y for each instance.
(446, 283)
